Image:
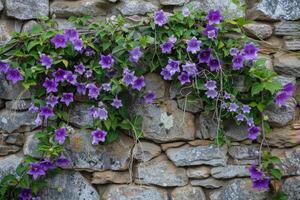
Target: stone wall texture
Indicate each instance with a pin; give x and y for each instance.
(177, 159)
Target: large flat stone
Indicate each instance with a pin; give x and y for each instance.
(8, 149)
(145, 151)
(12, 92)
(137, 7)
(291, 187)
(172, 2)
(209, 183)
(188, 193)
(244, 152)
(235, 132)
(111, 177)
(198, 172)
(259, 30)
(230, 171)
(9, 164)
(18, 105)
(283, 137)
(287, 28)
(287, 63)
(292, 43)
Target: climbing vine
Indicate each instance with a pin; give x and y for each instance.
(102, 64)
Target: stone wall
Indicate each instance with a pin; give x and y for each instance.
(177, 158)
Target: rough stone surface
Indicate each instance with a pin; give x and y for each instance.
(285, 79)
(229, 171)
(283, 137)
(137, 7)
(160, 171)
(155, 83)
(30, 146)
(172, 2)
(14, 138)
(79, 115)
(259, 30)
(165, 122)
(287, 63)
(134, 192)
(171, 145)
(271, 45)
(27, 27)
(244, 152)
(11, 92)
(292, 43)
(188, 193)
(198, 172)
(18, 105)
(190, 105)
(145, 151)
(111, 177)
(11, 120)
(235, 132)
(8, 149)
(29, 9)
(206, 127)
(176, 91)
(189, 155)
(287, 28)
(281, 116)
(72, 185)
(238, 189)
(1, 6)
(276, 10)
(9, 164)
(209, 183)
(291, 188)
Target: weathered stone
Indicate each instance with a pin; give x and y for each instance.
(284, 28)
(206, 126)
(285, 79)
(188, 193)
(292, 43)
(171, 145)
(271, 45)
(165, 122)
(78, 8)
(11, 120)
(14, 138)
(275, 10)
(137, 7)
(11, 92)
(200, 155)
(287, 63)
(172, 2)
(2, 103)
(27, 27)
(145, 151)
(198, 172)
(8, 149)
(69, 185)
(209, 183)
(1, 6)
(111, 177)
(80, 116)
(291, 187)
(29, 9)
(230, 171)
(283, 137)
(180, 92)
(239, 189)
(259, 30)
(244, 152)
(297, 93)
(235, 132)
(160, 171)
(18, 105)
(9, 164)
(281, 116)
(155, 83)
(190, 105)
(200, 142)
(31, 145)
(134, 192)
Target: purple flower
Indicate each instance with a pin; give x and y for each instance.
(193, 45)
(98, 136)
(184, 78)
(93, 111)
(214, 65)
(212, 94)
(80, 69)
(106, 61)
(281, 97)
(117, 103)
(210, 85)
(67, 98)
(238, 62)
(250, 122)
(160, 18)
(128, 77)
(234, 51)
(38, 121)
(89, 52)
(166, 47)
(233, 107)
(26, 194)
(190, 68)
(289, 88)
(261, 184)
(240, 117)
(210, 31)
(204, 55)
(227, 95)
(81, 88)
(253, 132)
(71, 34)
(102, 114)
(60, 135)
(173, 66)
(46, 61)
(62, 161)
(255, 173)
(33, 108)
(214, 17)
(46, 112)
(36, 170)
(3, 66)
(185, 12)
(14, 75)
(94, 91)
(59, 40)
(149, 96)
(70, 77)
(135, 54)
(106, 87)
(46, 164)
(88, 74)
(246, 109)
(52, 100)
(166, 73)
(59, 75)
(250, 51)
(77, 44)
(50, 85)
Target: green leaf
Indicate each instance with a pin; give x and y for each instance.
(36, 29)
(275, 159)
(32, 44)
(272, 86)
(25, 181)
(276, 173)
(256, 89)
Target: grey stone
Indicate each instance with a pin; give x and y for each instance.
(198, 172)
(160, 171)
(291, 187)
(31, 145)
(69, 185)
(171, 145)
(137, 7)
(11, 121)
(78, 8)
(111, 177)
(178, 91)
(14, 138)
(145, 151)
(283, 137)
(165, 122)
(198, 155)
(18, 105)
(29, 9)
(134, 192)
(244, 152)
(80, 116)
(206, 126)
(281, 116)
(285, 79)
(271, 46)
(8, 149)
(172, 2)
(11, 92)
(188, 193)
(156, 84)
(287, 28)
(235, 132)
(239, 189)
(1, 6)
(209, 183)
(64, 24)
(287, 63)
(259, 30)
(27, 27)
(229, 171)
(2, 103)
(292, 43)
(190, 105)
(276, 10)
(9, 164)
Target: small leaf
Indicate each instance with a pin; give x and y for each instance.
(256, 88)
(276, 173)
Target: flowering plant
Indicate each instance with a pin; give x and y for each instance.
(104, 63)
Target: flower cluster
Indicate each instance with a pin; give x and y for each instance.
(259, 180)
(283, 95)
(12, 74)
